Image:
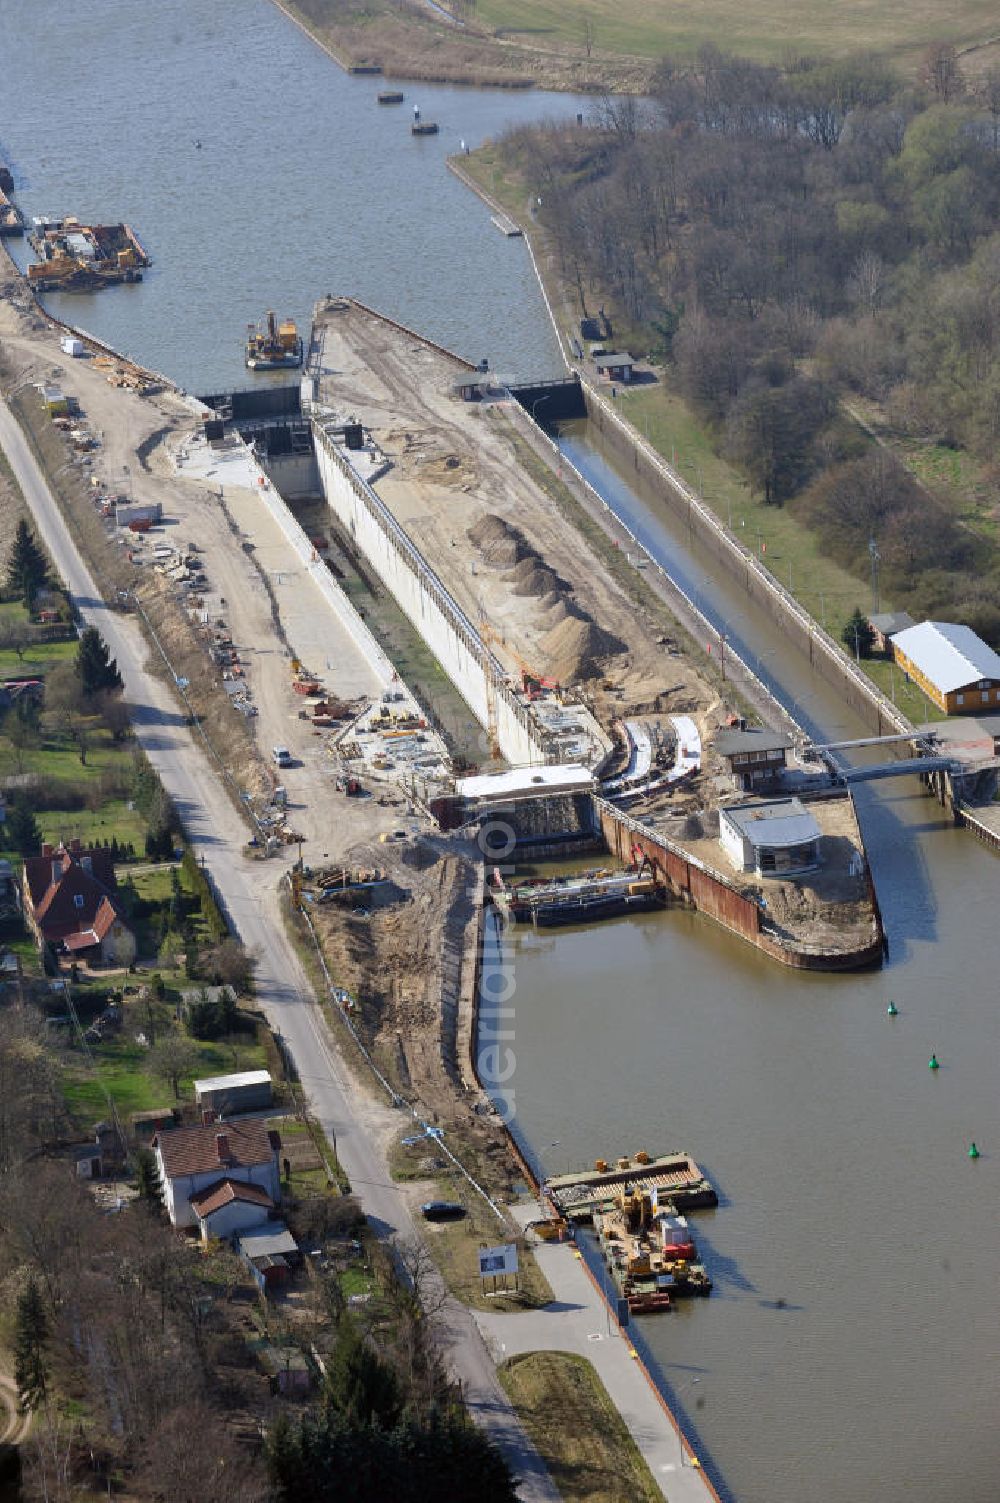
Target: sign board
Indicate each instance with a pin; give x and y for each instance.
(494, 1261)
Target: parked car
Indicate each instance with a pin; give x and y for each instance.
(442, 1210)
(281, 756)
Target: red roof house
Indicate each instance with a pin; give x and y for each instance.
(195, 1163)
(71, 900)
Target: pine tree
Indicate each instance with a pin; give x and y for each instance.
(23, 834)
(27, 567)
(359, 1384)
(95, 667)
(146, 1178)
(857, 635)
(32, 1331)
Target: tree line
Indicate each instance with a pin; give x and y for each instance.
(785, 237)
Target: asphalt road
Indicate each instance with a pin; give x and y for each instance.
(248, 890)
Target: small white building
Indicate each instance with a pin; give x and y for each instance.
(778, 837)
(230, 1206)
(245, 1091)
(191, 1159)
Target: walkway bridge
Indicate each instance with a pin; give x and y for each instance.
(928, 760)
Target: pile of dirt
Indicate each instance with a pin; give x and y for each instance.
(489, 529)
(574, 648)
(498, 542)
(532, 578)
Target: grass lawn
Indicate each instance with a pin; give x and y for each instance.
(579, 1433)
(767, 30)
(455, 1244)
(120, 1066)
(792, 553)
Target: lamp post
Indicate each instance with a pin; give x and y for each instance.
(680, 1433)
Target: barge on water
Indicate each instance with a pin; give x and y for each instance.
(597, 894)
(636, 1209)
(650, 1252)
(589, 1192)
(275, 347)
(75, 257)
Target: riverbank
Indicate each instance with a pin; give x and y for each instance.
(379, 37)
(827, 656)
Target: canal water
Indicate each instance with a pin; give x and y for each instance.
(258, 175)
(850, 1349)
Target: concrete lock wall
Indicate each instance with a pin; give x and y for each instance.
(328, 587)
(825, 655)
(441, 623)
(294, 475)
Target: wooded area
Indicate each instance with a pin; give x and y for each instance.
(786, 239)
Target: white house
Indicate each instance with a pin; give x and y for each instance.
(193, 1159)
(230, 1206)
(772, 838)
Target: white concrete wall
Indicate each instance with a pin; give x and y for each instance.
(736, 847)
(237, 1216)
(451, 637)
(366, 644)
(294, 475)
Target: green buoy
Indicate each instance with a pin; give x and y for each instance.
(932, 1063)
(973, 1151)
(892, 1010)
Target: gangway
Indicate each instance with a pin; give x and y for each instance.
(930, 737)
(897, 768)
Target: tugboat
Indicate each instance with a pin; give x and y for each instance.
(274, 348)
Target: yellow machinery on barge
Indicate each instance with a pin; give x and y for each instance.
(75, 257)
(275, 347)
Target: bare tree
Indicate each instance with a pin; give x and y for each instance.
(171, 1059)
(941, 72)
(589, 33)
(867, 282)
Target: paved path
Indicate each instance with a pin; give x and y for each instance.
(580, 1322)
(249, 892)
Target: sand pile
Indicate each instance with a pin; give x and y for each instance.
(500, 545)
(488, 529)
(574, 647)
(531, 577)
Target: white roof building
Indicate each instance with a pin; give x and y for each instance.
(951, 656)
(774, 838)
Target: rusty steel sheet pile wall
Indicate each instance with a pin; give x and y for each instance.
(722, 898)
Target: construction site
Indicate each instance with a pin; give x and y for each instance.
(408, 644)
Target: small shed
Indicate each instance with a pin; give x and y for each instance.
(287, 1369)
(756, 758)
(771, 838)
(245, 1091)
(270, 1254)
(616, 367)
(145, 1125)
(55, 400)
(886, 624)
